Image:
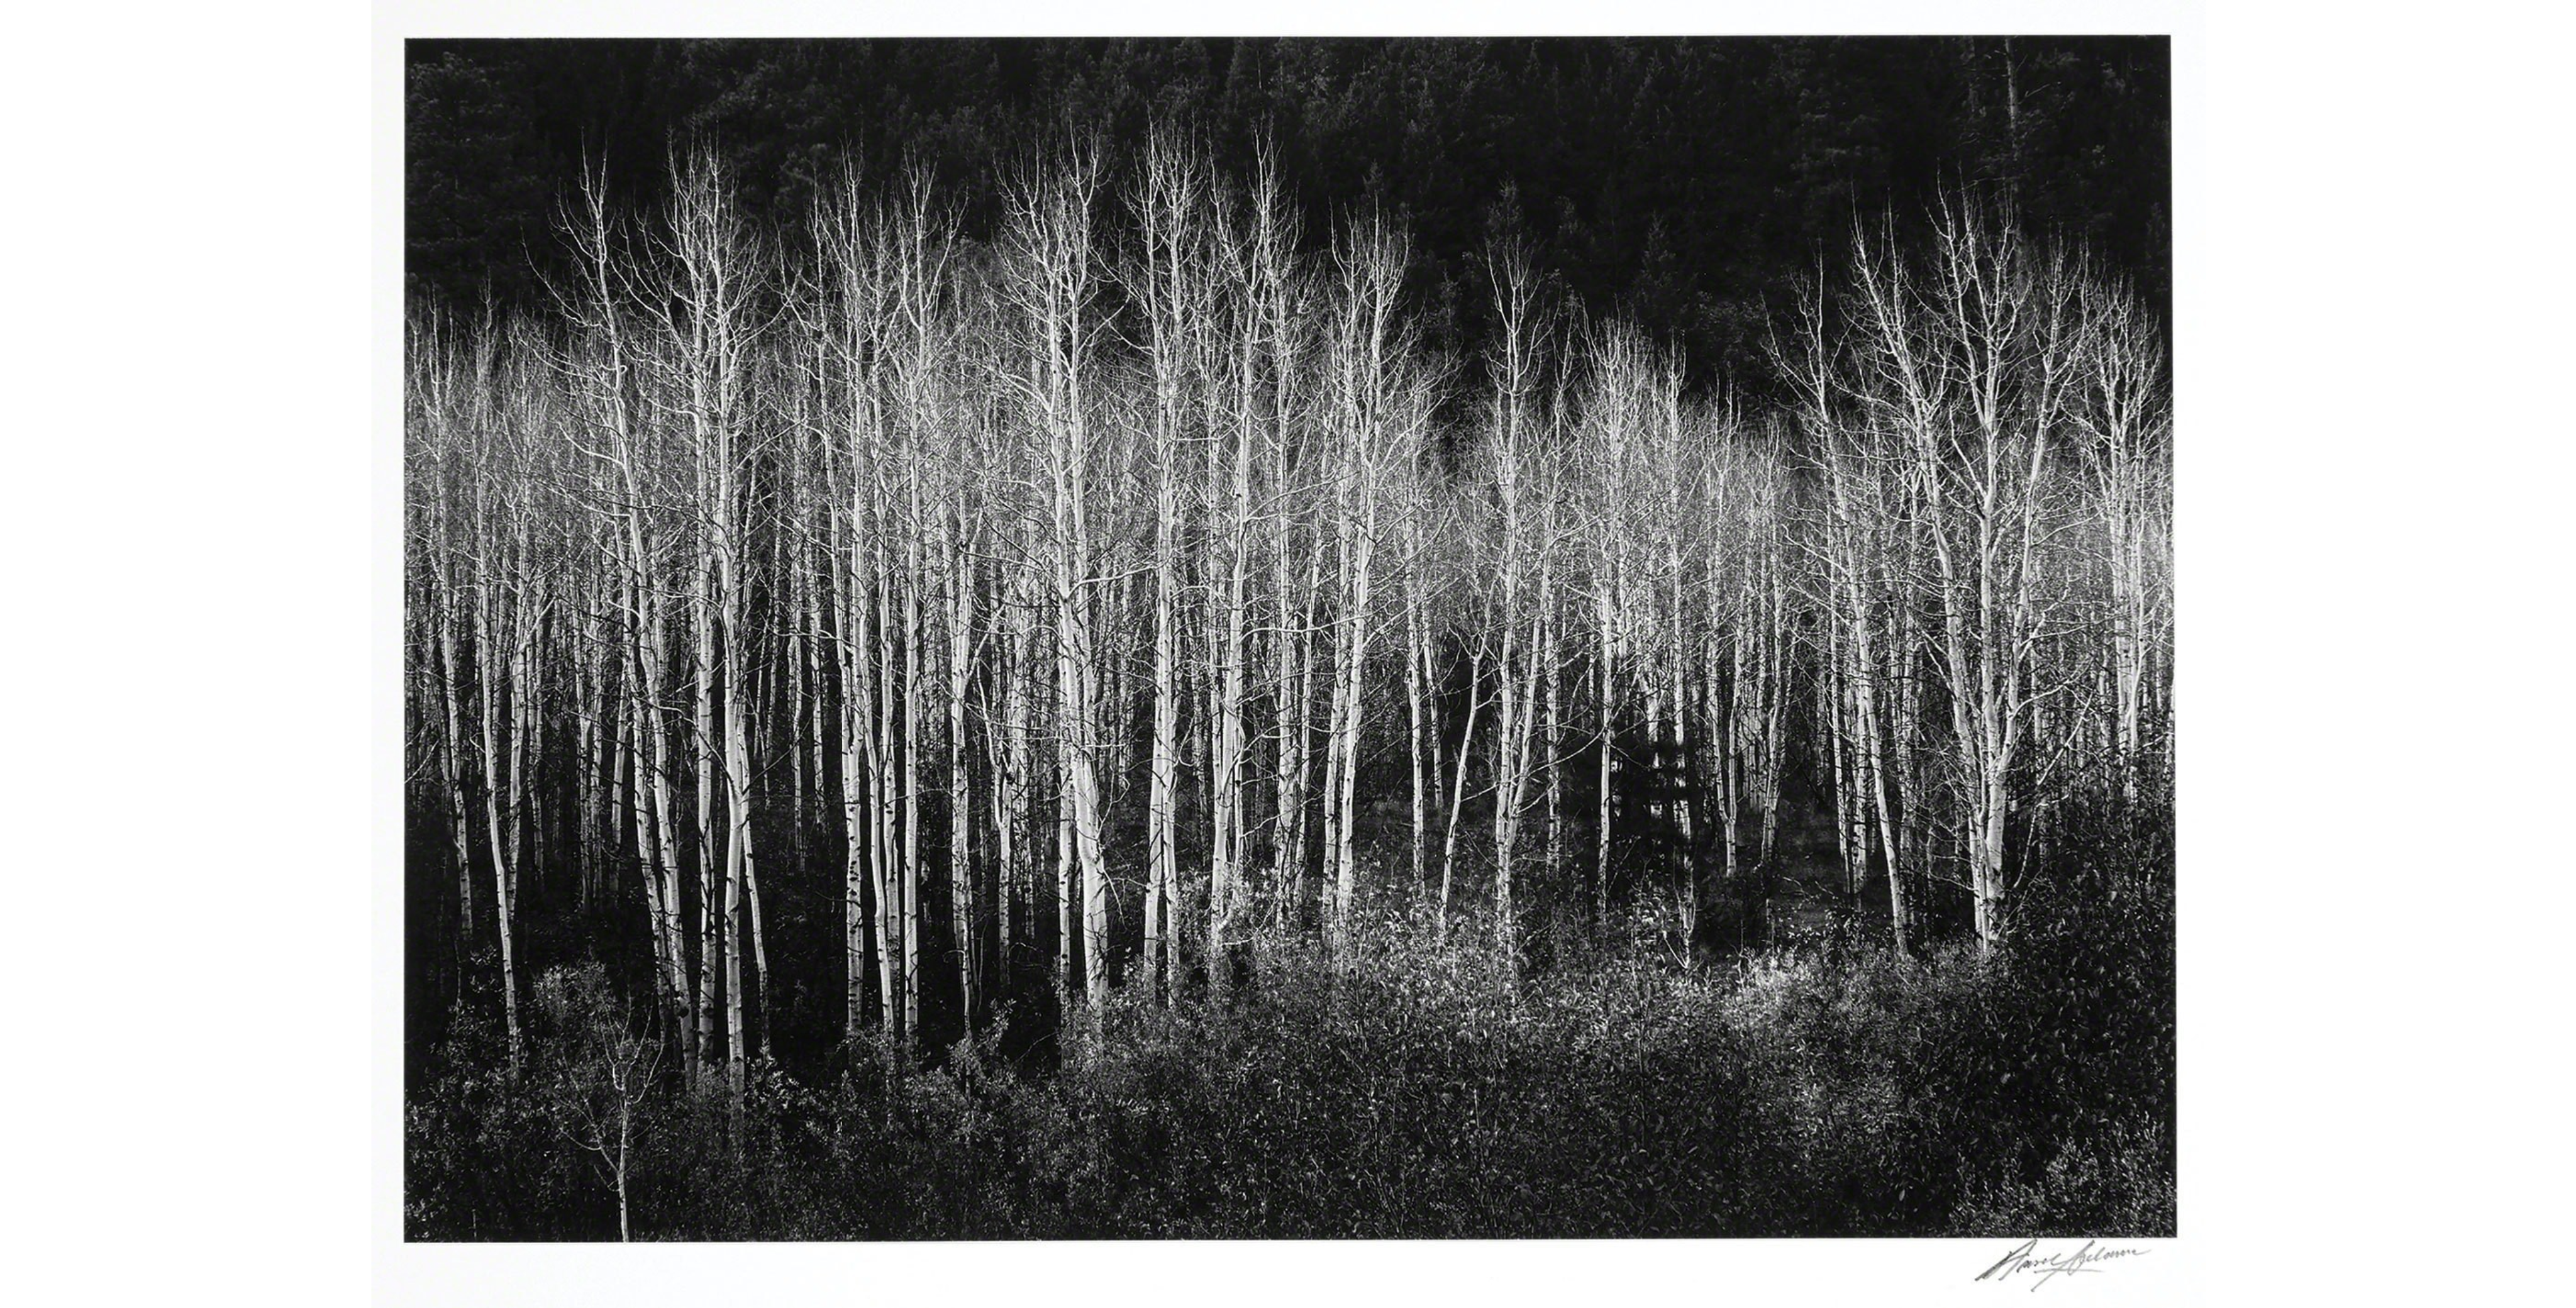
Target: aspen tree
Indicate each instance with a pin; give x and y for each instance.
(438, 461)
(887, 265)
(1557, 576)
(1283, 300)
(600, 305)
(1856, 516)
(1613, 418)
(2122, 408)
(1257, 262)
(1458, 782)
(709, 343)
(1049, 280)
(1168, 282)
(429, 605)
(1419, 657)
(1523, 328)
(1968, 360)
(958, 545)
(1686, 481)
(1376, 414)
(917, 267)
(495, 519)
(848, 346)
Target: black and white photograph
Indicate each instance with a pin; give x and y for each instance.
(1252, 638)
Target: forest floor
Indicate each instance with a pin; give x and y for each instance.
(1421, 1086)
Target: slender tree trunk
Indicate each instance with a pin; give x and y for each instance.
(498, 794)
(961, 799)
(759, 946)
(885, 873)
(1226, 819)
(658, 834)
(734, 722)
(1298, 624)
(1162, 801)
(908, 883)
(1068, 980)
(1417, 661)
(1551, 752)
(1458, 786)
(461, 829)
(712, 922)
(1606, 617)
(1874, 768)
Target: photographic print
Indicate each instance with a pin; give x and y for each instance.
(1276, 638)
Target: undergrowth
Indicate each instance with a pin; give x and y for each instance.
(1416, 1087)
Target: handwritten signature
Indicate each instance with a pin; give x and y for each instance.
(2042, 1267)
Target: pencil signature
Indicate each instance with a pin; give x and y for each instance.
(2043, 1266)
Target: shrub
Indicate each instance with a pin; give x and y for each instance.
(1420, 1085)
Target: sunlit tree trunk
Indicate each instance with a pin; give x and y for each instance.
(1258, 263)
(2122, 409)
(1167, 280)
(448, 619)
(908, 878)
(1049, 278)
(962, 897)
(499, 794)
(1521, 564)
(1418, 658)
(1458, 784)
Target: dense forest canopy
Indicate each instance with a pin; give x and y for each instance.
(1239, 607)
(1688, 184)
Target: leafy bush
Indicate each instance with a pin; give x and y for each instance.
(1421, 1086)
(2117, 1185)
